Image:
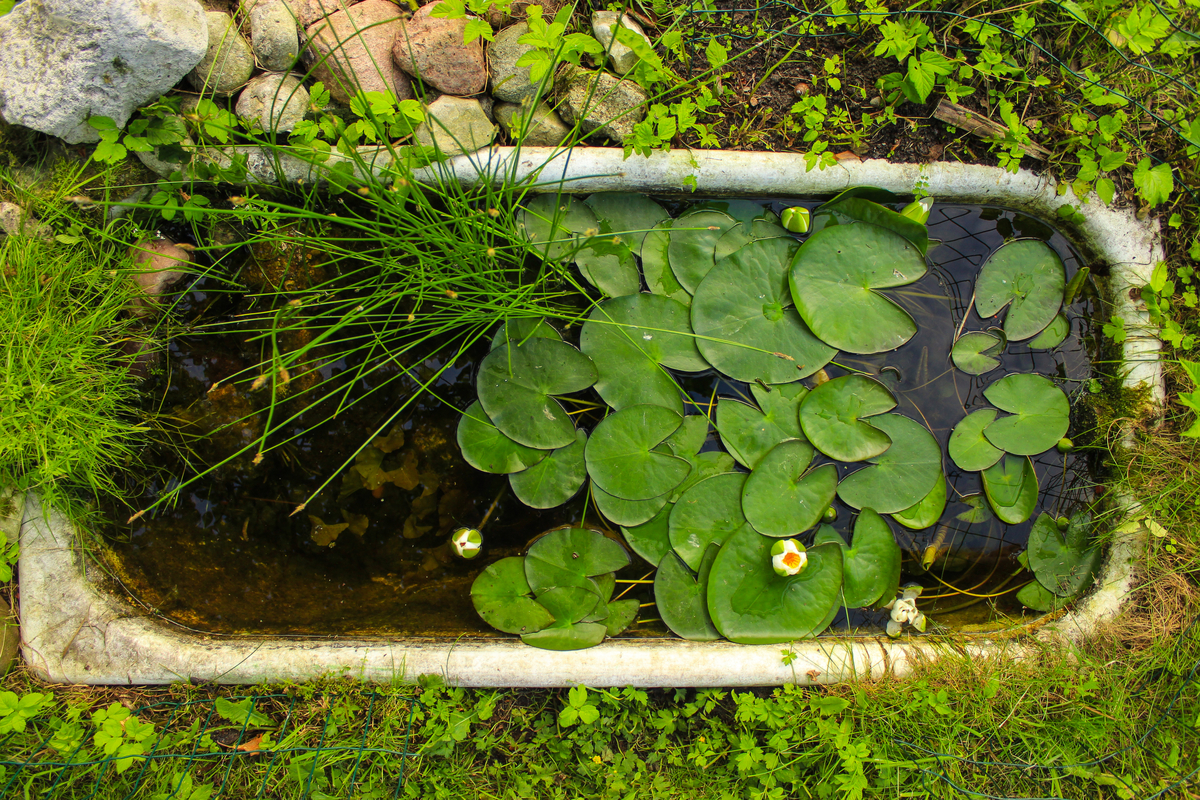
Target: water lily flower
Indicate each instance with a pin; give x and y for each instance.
(918, 210)
(904, 611)
(467, 542)
(796, 219)
(788, 557)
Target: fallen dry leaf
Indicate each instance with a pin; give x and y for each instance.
(251, 745)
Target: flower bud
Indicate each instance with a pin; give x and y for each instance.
(1065, 445)
(467, 542)
(796, 219)
(918, 210)
(830, 515)
(788, 557)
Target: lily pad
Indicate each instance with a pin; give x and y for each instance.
(656, 265)
(608, 264)
(694, 237)
(748, 433)
(689, 437)
(925, 513)
(621, 614)
(978, 352)
(1053, 335)
(569, 604)
(900, 477)
(708, 512)
(744, 233)
(832, 417)
(627, 215)
(977, 510)
(682, 598)
(620, 454)
(558, 224)
(579, 636)
(968, 447)
(749, 604)
(843, 210)
(485, 448)
(744, 321)
(628, 338)
(569, 556)
(1011, 488)
(782, 497)
(1063, 564)
(652, 539)
(502, 596)
(555, 479)
(1034, 595)
(834, 277)
(518, 329)
(1029, 278)
(871, 564)
(515, 387)
(627, 512)
(1040, 414)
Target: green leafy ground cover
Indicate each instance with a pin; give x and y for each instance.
(1107, 89)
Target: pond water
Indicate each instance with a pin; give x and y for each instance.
(232, 557)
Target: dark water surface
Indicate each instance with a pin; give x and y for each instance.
(233, 558)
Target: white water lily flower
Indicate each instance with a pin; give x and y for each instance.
(467, 542)
(788, 557)
(904, 611)
(918, 210)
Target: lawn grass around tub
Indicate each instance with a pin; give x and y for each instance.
(1116, 716)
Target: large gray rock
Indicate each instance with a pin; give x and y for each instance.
(273, 34)
(351, 51)
(455, 125)
(274, 101)
(542, 129)
(16, 221)
(510, 82)
(601, 104)
(310, 11)
(432, 49)
(620, 56)
(228, 62)
(66, 60)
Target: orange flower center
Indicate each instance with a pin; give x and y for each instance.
(791, 560)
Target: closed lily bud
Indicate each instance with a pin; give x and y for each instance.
(1065, 445)
(788, 557)
(467, 542)
(795, 219)
(918, 209)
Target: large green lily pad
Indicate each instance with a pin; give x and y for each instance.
(743, 317)
(1040, 414)
(502, 596)
(628, 338)
(844, 210)
(1063, 563)
(968, 447)
(832, 417)
(627, 215)
(708, 512)
(871, 563)
(694, 237)
(656, 265)
(1029, 278)
(569, 556)
(620, 454)
(557, 224)
(555, 479)
(627, 512)
(682, 598)
(1011, 488)
(744, 233)
(516, 383)
(782, 497)
(485, 448)
(652, 539)
(834, 279)
(569, 604)
(579, 636)
(1034, 595)
(749, 433)
(519, 329)
(749, 604)
(903, 475)
(926, 512)
(978, 352)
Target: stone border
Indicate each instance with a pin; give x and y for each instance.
(73, 632)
